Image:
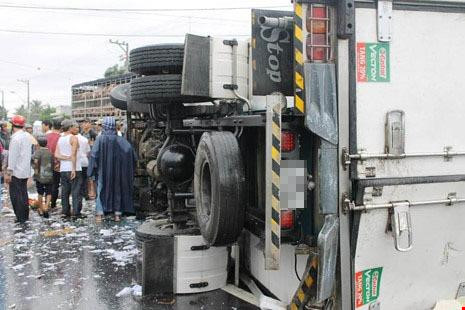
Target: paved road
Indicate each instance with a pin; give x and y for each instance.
(56, 264)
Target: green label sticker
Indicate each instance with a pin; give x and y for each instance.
(367, 284)
(373, 63)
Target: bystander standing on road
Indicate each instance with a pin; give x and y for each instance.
(112, 163)
(70, 168)
(98, 127)
(119, 129)
(4, 135)
(88, 132)
(1, 181)
(52, 140)
(28, 128)
(43, 175)
(19, 168)
(46, 127)
(5, 141)
(83, 156)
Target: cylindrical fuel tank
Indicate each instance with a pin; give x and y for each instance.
(175, 164)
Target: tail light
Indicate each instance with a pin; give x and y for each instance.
(318, 42)
(287, 219)
(287, 141)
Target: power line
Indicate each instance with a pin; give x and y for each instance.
(111, 34)
(149, 14)
(30, 7)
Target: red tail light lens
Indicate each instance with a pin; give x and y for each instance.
(314, 52)
(316, 19)
(287, 141)
(318, 11)
(317, 24)
(287, 219)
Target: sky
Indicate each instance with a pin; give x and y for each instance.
(54, 62)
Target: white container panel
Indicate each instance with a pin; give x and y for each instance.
(221, 63)
(434, 268)
(282, 283)
(426, 82)
(198, 266)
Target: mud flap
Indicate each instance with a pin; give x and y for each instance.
(327, 249)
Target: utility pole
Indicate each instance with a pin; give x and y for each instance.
(26, 81)
(125, 47)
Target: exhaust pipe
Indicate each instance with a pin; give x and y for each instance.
(276, 22)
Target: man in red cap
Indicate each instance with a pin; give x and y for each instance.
(19, 168)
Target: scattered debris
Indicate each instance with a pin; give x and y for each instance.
(135, 290)
(5, 242)
(106, 232)
(57, 232)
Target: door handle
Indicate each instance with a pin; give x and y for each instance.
(401, 221)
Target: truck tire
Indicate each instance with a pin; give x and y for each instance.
(119, 96)
(160, 89)
(157, 59)
(137, 107)
(219, 188)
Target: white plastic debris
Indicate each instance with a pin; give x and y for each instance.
(55, 225)
(59, 282)
(106, 232)
(135, 290)
(124, 292)
(18, 267)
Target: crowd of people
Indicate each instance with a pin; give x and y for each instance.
(82, 161)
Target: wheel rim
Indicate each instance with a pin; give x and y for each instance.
(205, 190)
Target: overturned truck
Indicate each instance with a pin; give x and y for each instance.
(307, 155)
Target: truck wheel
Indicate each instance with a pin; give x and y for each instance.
(119, 96)
(137, 107)
(160, 89)
(157, 59)
(219, 188)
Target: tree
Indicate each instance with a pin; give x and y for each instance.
(3, 113)
(46, 112)
(36, 109)
(22, 110)
(114, 70)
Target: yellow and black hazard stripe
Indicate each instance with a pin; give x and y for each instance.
(275, 181)
(307, 287)
(299, 83)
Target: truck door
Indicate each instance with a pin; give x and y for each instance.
(402, 145)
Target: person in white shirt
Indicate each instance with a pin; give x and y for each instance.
(19, 168)
(83, 155)
(70, 168)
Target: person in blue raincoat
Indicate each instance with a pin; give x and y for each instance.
(112, 162)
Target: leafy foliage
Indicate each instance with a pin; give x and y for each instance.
(21, 110)
(38, 111)
(3, 113)
(114, 70)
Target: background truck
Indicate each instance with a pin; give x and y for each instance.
(328, 148)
